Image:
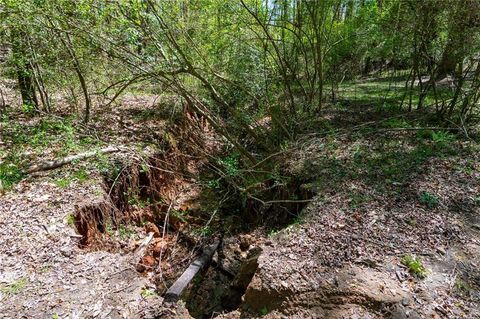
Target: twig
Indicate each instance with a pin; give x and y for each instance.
(115, 181)
(164, 230)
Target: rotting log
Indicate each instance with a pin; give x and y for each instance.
(48, 165)
(174, 293)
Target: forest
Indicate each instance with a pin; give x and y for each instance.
(240, 159)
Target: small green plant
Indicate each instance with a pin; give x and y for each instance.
(44, 268)
(81, 175)
(414, 265)
(272, 233)
(213, 184)
(264, 311)
(10, 174)
(15, 287)
(106, 167)
(462, 286)
(179, 214)
(109, 228)
(62, 182)
(442, 138)
(396, 123)
(145, 293)
(429, 199)
(424, 134)
(203, 231)
(71, 219)
(135, 200)
(28, 109)
(476, 200)
(230, 164)
(125, 232)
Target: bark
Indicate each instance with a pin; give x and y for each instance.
(25, 83)
(23, 70)
(449, 60)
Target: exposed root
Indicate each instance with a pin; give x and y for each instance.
(91, 219)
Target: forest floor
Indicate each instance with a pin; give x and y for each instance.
(392, 232)
(387, 195)
(44, 270)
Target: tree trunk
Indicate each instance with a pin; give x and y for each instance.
(25, 83)
(76, 66)
(448, 62)
(81, 78)
(23, 70)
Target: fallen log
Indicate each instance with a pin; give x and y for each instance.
(174, 293)
(48, 165)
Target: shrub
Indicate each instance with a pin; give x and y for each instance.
(429, 199)
(414, 265)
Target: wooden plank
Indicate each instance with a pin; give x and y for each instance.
(174, 293)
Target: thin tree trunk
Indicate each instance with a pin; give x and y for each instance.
(38, 78)
(81, 78)
(23, 71)
(76, 66)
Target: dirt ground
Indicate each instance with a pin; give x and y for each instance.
(343, 257)
(43, 272)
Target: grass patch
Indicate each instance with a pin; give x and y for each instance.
(15, 287)
(57, 135)
(62, 182)
(387, 93)
(396, 123)
(10, 173)
(81, 175)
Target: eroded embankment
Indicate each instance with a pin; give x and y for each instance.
(145, 196)
(159, 195)
(219, 288)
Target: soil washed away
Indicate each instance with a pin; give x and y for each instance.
(219, 287)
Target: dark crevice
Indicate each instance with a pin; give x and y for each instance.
(218, 291)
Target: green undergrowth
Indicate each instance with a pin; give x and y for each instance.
(382, 150)
(37, 139)
(245, 197)
(387, 93)
(379, 159)
(79, 175)
(430, 200)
